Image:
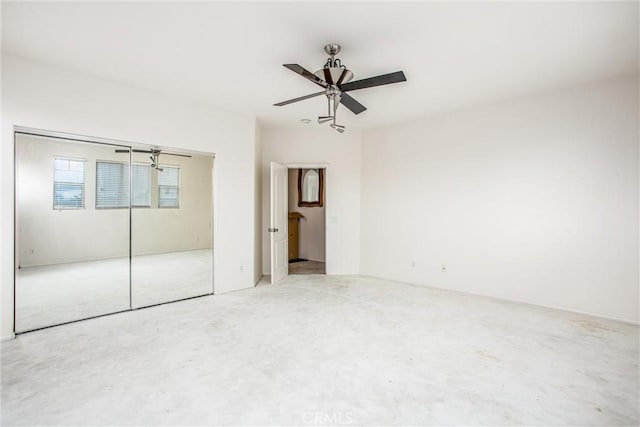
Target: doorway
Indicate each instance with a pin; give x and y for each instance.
(306, 220)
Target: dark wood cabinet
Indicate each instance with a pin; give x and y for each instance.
(294, 244)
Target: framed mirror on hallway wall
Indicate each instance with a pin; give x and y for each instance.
(310, 188)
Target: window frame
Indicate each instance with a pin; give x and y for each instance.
(84, 184)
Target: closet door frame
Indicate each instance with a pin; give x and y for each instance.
(21, 130)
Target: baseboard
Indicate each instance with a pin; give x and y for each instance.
(8, 338)
(230, 291)
(566, 310)
(256, 281)
(551, 307)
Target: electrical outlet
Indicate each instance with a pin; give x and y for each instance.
(413, 264)
(242, 268)
(443, 268)
(32, 251)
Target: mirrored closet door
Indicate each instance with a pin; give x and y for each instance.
(104, 228)
(171, 242)
(72, 231)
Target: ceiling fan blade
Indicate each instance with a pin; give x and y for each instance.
(302, 98)
(353, 105)
(342, 76)
(327, 76)
(135, 150)
(122, 151)
(306, 74)
(384, 79)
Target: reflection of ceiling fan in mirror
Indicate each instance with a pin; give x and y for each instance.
(155, 155)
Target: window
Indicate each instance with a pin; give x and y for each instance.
(112, 185)
(68, 183)
(168, 187)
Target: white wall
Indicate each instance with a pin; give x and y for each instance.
(534, 200)
(311, 227)
(341, 153)
(38, 96)
(48, 236)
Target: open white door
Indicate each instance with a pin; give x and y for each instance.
(278, 223)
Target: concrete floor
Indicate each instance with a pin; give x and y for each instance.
(306, 267)
(61, 293)
(327, 350)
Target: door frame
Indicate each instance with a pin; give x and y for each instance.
(306, 165)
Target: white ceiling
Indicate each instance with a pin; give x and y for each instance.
(231, 54)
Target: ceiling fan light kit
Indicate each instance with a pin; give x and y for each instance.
(335, 79)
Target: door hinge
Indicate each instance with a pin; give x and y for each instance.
(273, 230)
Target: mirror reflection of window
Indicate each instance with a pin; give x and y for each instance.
(169, 187)
(112, 185)
(311, 185)
(68, 183)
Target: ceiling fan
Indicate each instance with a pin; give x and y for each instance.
(335, 79)
(154, 157)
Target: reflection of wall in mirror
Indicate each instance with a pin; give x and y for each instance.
(310, 185)
(47, 236)
(311, 227)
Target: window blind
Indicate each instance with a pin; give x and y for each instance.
(141, 187)
(68, 183)
(168, 187)
(112, 185)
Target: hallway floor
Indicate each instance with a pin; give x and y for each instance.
(320, 349)
(307, 267)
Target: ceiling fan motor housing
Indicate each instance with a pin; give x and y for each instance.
(335, 72)
(334, 68)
